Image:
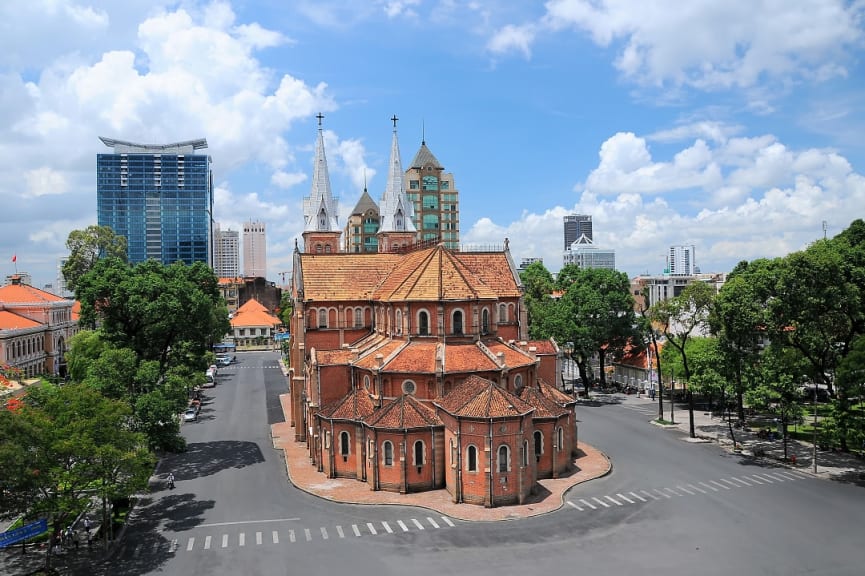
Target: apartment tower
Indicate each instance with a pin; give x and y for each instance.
(226, 257)
(254, 250)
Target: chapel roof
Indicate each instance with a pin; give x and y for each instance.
(356, 405)
(403, 413)
(478, 397)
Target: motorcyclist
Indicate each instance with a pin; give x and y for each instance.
(171, 480)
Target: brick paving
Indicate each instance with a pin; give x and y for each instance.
(590, 464)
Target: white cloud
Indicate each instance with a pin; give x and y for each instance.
(45, 181)
(395, 8)
(513, 38)
(287, 179)
(705, 43)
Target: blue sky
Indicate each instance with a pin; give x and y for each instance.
(733, 126)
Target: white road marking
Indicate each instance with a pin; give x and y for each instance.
(574, 505)
(340, 532)
(402, 525)
(241, 539)
(356, 530)
(672, 491)
(683, 489)
(733, 484)
(323, 533)
(371, 528)
(248, 522)
(448, 521)
(207, 543)
(275, 537)
(173, 547)
(258, 538)
(191, 544)
(757, 480)
(589, 504)
(291, 536)
(742, 480)
(637, 496)
(649, 494)
(418, 524)
(700, 490)
(433, 522)
(707, 486)
(387, 527)
(664, 494)
(777, 477)
(613, 500)
(721, 485)
(601, 502)
(625, 498)
(225, 540)
(764, 477)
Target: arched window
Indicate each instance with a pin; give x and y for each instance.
(458, 321)
(318, 248)
(366, 382)
(358, 317)
(327, 248)
(503, 313)
(418, 453)
(525, 454)
(387, 449)
(423, 323)
(399, 321)
(344, 443)
(518, 382)
(472, 459)
(539, 444)
(560, 438)
(485, 321)
(504, 458)
(322, 318)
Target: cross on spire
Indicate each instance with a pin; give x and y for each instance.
(320, 116)
(394, 119)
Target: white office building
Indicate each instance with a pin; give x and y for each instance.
(226, 261)
(682, 261)
(585, 254)
(254, 250)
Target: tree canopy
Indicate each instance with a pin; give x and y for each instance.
(86, 247)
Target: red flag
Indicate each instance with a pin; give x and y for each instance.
(15, 257)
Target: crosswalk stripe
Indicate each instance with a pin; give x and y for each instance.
(710, 487)
(387, 527)
(777, 477)
(589, 504)
(683, 489)
(371, 528)
(625, 498)
(613, 500)
(207, 543)
(402, 525)
(790, 476)
(734, 481)
(757, 480)
(433, 522)
(733, 484)
(323, 533)
(173, 548)
(275, 535)
(637, 496)
(340, 532)
(291, 536)
(418, 524)
(572, 505)
(190, 544)
(225, 540)
(356, 530)
(601, 502)
(721, 485)
(763, 477)
(673, 492)
(448, 521)
(700, 490)
(258, 538)
(241, 539)
(742, 480)
(664, 494)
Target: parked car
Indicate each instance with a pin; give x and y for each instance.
(191, 415)
(223, 360)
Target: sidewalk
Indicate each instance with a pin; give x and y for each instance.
(590, 464)
(830, 465)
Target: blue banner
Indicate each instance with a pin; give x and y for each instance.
(281, 336)
(23, 533)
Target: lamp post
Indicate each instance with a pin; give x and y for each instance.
(814, 402)
(672, 392)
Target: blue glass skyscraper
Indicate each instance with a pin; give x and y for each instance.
(158, 196)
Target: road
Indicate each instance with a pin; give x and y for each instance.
(669, 507)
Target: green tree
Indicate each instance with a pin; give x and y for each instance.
(86, 247)
(848, 408)
(679, 318)
(537, 286)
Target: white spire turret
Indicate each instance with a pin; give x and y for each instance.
(397, 213)
(320, 208)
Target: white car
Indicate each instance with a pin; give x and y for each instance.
(191, 415)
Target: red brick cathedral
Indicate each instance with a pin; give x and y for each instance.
(410, 370)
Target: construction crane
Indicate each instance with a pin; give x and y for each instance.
(282, 276)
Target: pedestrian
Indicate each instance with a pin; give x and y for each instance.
(89, 539)
(87, 525)
(76, 540)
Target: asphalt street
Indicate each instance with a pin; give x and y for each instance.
(668, 507)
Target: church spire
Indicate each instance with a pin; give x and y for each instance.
(320, 208)
(397, 212)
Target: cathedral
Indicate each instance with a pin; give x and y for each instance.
(410, 367)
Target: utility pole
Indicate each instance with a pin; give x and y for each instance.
(815, 416)
(672, 392)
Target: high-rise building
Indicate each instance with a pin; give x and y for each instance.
(435, 198)
(362, 225)
(159, 197)
(585, 254)
(226, 252)
(682, 261)
(254, 250)
(577, 225)
(60, 287)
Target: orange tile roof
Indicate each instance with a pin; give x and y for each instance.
(418, 356)
(342, 276)
(554, 393)
(467, 358)
(333, 357)
(404, 413)
(355, 406)
(24, 294)
(513, 356)
(542, 346)
(477, 397)
(252, 313)
(12, 321)
(385, 348)
(76, 310)
(494, 270)
(432, 274)
(544, 406)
